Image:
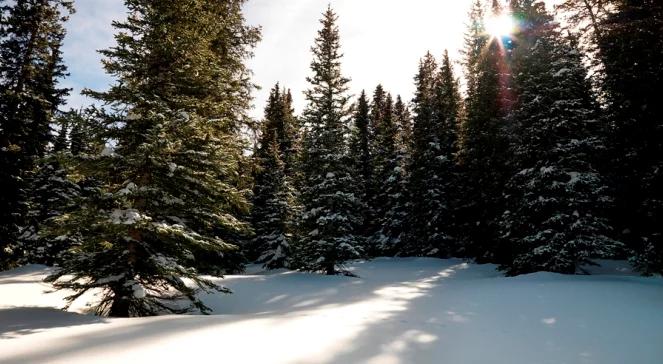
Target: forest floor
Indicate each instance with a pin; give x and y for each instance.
(398, 311)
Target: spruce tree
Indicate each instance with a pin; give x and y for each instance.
(389, 201)
(448, 105)
(53, 193)
(273, 195)
(86, 132)
(61, 140)
(557, 201)
(30, 67)
(482, 146)
(404, 124)
(393, 227)
(436, 108)
(362, 163)
(169, 193)
(55, 189)
(331, 207)
(629, 48)
(476, 40)
(383, 153)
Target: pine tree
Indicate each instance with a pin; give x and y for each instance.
(290, 142)
(393, 226)
(448, 105)
(629, 48)
(583, 19)
(85, 135)
(557, 202)
(54, 190)
(30, 67)
(419, 222)
(61, 140)
(404, 124)
(331, 207)
(382, 131)
(476, 41)
(436, 108)
(169, 193)
(389, 180)
(362, 163)
(273, 192)
(53, 193)
(482, 146)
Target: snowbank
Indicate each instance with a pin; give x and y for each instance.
(399, 311)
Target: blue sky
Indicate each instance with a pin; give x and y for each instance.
(88, 30)
(382, 41)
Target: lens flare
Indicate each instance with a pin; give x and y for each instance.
(500, 25)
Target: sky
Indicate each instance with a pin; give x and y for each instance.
(382, 42)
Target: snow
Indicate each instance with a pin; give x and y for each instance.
(562, 72)
(127, 189)
(108, 151)
(138, 291)
(127, 217)
(398, 311)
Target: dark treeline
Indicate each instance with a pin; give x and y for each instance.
(549, 157)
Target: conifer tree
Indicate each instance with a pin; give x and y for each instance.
(53, 193)
(61, 140)
(331, 207)
(54, 190)
(404, 124)
(389, 201)
(382, 154)
(419, 223)
(475, 44)
(57, 187)
(273, 192)
(30, 67)
(557, 202)
(629, 48)
(436, 108)
(169, 193)
(393, 226)
(362, 163)
(448, 105)
(86, 132)
(584, 20)
(482, 146)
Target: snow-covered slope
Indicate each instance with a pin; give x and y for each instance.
(399, 311)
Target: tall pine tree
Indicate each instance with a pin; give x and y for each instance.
(629, 48)
(393, 227)
(169, 194)
(382, 153)
(482, 146)
(273, 193)
(557, 201)
(436, 108)
(31, 64)
(389, 201)
(362, 163)
(331, 207)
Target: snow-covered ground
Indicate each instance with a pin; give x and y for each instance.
(399, 311)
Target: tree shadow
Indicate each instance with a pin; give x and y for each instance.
(344, 317)
(20, 321)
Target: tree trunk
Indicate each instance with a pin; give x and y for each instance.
(120, 306)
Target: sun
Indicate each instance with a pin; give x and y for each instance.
(500, 25)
